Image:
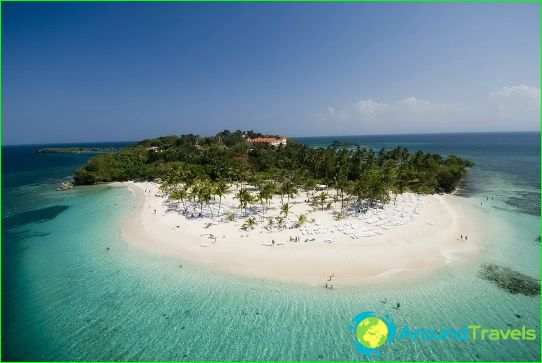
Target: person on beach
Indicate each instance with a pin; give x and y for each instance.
(466, 238)
(461, 237)
(273, 242)
(398, 305)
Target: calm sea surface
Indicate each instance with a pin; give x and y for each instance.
(65, 298)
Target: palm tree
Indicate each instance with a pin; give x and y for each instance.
(221, 189)
(250, 223)
(230, 217)
(288, 188)
(341, 175)
(322, 197)
(244, 199)
(285, 209)
(262, 199)
(270, 224)
(308, 185)
(203, 192)
(301, 219)
(268, 189)
(166, 187)
(343, 184)
(280, 222)
(180, 193)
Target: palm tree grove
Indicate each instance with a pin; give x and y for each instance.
(201, 169)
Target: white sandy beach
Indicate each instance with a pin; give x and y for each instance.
(412, 236)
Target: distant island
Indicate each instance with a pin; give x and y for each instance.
(76, 150)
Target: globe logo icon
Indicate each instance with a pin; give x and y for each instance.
(372, 333)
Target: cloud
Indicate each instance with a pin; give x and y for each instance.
(508, 108)
(518, 91)
(370, 116)
(407, 108)
(516, 104)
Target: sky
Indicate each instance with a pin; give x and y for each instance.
(77, 72)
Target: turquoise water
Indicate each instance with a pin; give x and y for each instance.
(66, 297)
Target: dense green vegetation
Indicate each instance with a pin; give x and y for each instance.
(202, 167)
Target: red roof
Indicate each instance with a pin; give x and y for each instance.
(267, 139)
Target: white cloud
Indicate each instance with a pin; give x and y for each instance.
(370, 116)
(509, 108)
(370, 107)
(522, 91)
(407, 108)
(516, 104)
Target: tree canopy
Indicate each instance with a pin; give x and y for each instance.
(226, 157)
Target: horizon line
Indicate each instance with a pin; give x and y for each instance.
(291, 137)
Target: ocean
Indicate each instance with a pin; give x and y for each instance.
(66, 297)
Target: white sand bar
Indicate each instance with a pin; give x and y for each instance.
(411, 235)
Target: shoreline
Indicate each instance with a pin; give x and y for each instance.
(425, 244)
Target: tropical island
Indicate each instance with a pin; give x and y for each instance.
(259, 205)
(252, 158)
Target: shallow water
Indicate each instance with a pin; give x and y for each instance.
(66, 297)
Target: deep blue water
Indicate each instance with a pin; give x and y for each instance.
(64, 298)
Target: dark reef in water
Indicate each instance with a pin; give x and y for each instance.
(33, 216)
(526, 202)
(512, 281)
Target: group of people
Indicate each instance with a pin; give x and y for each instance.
(294, 239)
(487, 198)
(466, 238)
